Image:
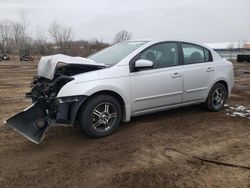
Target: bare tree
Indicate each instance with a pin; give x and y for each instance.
(24, 26)
(122, 36)
(19, 31)
(5, 35)
(40, 42)
(61, 35)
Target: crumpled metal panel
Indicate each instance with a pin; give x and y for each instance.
(30, 123)
(47, 64)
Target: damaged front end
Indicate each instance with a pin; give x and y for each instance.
(53, 73)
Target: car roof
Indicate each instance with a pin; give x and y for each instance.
(158, 40)
(161, 40)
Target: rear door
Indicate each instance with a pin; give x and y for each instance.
(198, 72)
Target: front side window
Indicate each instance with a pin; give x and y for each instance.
(162, 55)
(195, 54)
(112, 55)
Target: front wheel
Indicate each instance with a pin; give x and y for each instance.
(101, 115)
(217, 97)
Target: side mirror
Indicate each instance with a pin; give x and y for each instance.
(143, 63)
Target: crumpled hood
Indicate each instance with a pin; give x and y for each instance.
(47, 64)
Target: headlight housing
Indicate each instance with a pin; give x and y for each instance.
(70, 99)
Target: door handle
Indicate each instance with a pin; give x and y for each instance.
(210, 69)
(176, 75)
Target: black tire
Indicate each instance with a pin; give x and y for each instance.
(89, 119)
(215, 102)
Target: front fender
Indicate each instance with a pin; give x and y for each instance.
(121, 86)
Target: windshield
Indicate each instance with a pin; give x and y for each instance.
(112, 55)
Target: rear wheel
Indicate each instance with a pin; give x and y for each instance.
(217, 97)
(101, 115)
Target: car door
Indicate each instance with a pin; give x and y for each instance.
(198, 72)
(160, 85)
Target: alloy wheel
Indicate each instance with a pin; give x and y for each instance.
(218, 97)
(103, 116)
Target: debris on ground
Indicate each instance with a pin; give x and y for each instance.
(237, 111)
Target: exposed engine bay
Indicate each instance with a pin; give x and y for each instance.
(45, 90)
(47, 108)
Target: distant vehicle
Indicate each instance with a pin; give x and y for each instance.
(243, 58)
(125, 80)
(4, 56)
(25, 55)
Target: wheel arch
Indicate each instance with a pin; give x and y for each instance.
(108, 92)
(222, 81)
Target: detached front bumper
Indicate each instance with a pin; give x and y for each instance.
(32, 122)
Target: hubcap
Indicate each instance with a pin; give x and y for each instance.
(103, 116)
(218, 97)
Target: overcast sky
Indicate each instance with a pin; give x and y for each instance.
(196, 20)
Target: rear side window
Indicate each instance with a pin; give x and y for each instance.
(195, 54)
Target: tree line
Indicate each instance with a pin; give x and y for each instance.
(14, 36)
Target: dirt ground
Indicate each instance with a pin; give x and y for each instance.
(169, 149)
